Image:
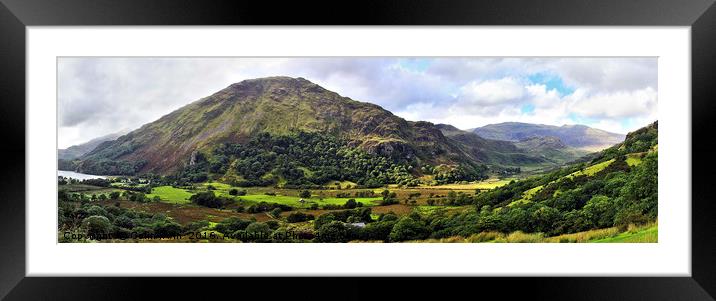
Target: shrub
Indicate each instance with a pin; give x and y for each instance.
(350, 204)
(323, 219)
(256, 231)
(273, 225)
(124, 222)
(167, 229)
(378, 230)
(197, 225)
(484, 236)
(208, 199)
(521, 237)
(231, 225)
(334, 231)
(98, 227)
(276, 212)
(297, 217)
(96, 210)
(305, 194)
(386, 202)
(408, 228)
(236, 192)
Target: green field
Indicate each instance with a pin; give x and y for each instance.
(486, 184)
(633, 159)
(591, 170)
(294, 200)
(169, 194)
(526, 196)
(645, 235)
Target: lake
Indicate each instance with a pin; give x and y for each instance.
(77, 175)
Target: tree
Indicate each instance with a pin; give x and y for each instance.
(167, 229)
(124, 222)
(258, 227)
(600, 210)
(297, 217)
(98, 227)
(276, 212)
(452, 196)
(544, 219)
(350, 204)
(408, 228)
(257, 231)
(207, 199)
(231, 225)
(334, 231)
(323, 219)
(642, 191)
(378, 230)
(96, 210)
(305, 194)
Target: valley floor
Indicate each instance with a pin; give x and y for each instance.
(425, 200)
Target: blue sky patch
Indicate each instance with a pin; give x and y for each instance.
(527, 109)
(415, 64)
(552, 82)
(579, 119)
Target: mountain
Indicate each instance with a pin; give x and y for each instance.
(488, 150)
(577, 136)
(280, 107)
(529, 151)
(552, 149)
(76, 151)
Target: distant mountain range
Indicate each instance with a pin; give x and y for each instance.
(284, 106)
(76, 151)
(577, 136)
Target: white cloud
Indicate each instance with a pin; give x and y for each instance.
(98, 96)
(615, 104)
(492, 92)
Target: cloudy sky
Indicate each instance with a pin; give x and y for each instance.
(99, 96)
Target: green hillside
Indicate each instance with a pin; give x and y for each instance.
(271, 113)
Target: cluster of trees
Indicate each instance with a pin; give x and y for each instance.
(389, 198)
(616, 196)
(105, 222)
(140, 197)
(236, 192)
(305, 159)
(111, 167)
(349, 204)
(94, 182)
(253, 231)
(451, 174)
(641, 140)
(340, 227)
(297, 217)
(613, 197)
(309, 160)
(266, 207)
(209, 199)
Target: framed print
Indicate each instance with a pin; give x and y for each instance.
(510, 139)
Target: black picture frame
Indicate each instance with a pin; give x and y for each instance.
(16, 15)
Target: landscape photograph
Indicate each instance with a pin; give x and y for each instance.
(357, 150)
